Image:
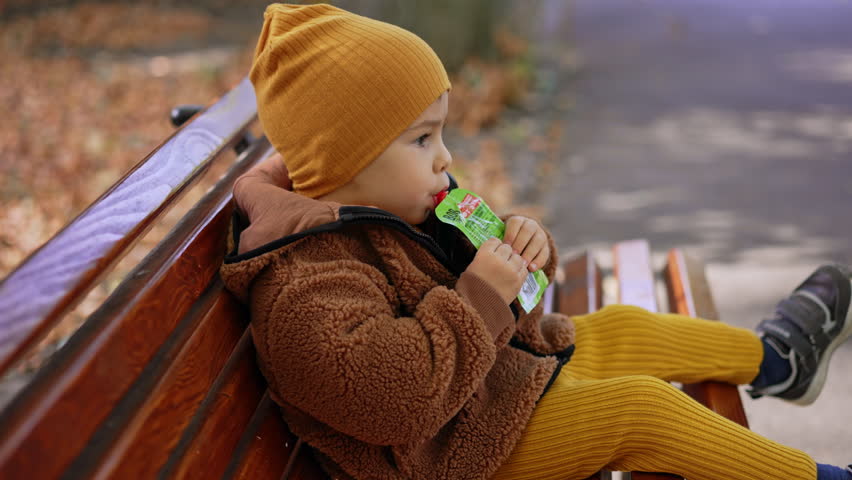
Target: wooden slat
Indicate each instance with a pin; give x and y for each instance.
(154, 428)
(52, 280)
(689, 294)
(206, 451)
(635, 277)
(269, 450)
(581, 291)
(265, 446)
(73, 394)
(303, 466)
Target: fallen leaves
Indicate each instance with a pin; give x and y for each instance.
(85, 103)
(101, 25)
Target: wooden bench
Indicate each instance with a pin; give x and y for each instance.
(160, 381)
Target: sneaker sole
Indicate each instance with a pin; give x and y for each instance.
(817, 383)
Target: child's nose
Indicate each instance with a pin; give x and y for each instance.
(444, 159)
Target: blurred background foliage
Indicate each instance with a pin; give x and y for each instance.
(88, 85)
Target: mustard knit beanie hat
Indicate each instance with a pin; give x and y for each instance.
(334, 89)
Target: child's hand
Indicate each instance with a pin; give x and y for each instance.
(528, 239)
(495, 264)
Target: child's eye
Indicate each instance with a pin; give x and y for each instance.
(421, 139)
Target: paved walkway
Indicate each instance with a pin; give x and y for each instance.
(726, 127)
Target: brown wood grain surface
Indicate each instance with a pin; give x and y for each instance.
(303, 466)
(154, 429)
(580, 292)
(74, 393)
(265, 447)
(689, 294)
(53, 279)
(224, 420)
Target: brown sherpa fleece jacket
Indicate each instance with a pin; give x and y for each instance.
(385, 356)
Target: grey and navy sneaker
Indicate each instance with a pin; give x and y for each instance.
(806, 329)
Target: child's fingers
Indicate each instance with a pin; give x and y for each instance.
(503, 252)
(491, 244)
(525, 234)
(513, 226)
(540, 260)
(534, 246)
(519, 264)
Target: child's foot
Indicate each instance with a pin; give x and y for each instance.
(830, 472)
(806, 329)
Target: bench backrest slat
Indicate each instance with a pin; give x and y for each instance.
(80, 386)
(303, 467)
(226, 414)
(265, 433)
(58, 275)
(154, 429)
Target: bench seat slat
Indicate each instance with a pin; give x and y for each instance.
(635, 275)
(76, 390)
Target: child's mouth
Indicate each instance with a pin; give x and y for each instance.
(439, 197)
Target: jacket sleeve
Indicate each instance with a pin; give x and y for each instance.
(338, 350)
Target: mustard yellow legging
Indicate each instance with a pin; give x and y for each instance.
(611, 407)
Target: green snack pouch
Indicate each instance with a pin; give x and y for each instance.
(469, 213)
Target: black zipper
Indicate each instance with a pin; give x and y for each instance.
(353, 215)
(348, 215)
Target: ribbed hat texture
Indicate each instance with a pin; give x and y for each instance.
(334, 89)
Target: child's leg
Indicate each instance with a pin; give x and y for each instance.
(641, 423)
(622, 340)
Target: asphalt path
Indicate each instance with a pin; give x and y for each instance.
(724, 127)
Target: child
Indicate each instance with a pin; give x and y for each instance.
(396, 350)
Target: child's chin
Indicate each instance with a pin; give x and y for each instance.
(418, 219)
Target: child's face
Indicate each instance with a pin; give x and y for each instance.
(404, 178)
